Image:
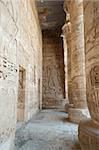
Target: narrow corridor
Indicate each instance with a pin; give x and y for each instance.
(49, 74)
(48, 130)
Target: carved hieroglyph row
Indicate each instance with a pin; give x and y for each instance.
(8, 70)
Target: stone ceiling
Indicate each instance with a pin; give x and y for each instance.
(51, 14)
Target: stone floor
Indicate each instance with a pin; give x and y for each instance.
(48, 130)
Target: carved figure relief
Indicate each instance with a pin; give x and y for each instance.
(53, 76)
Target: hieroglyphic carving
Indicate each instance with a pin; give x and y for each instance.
(8, 70)
(94, 75)
(5, 134)
(93, 92)
(8, 78)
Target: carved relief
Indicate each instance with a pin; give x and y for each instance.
(93, 92)
(5, 134)
(53, 75)
(8, 74)
(8, 70)
(94, 75)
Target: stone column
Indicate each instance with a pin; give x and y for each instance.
(79, 110)
(66, 70)
(67, 58)
(89, 129)
(67, 37)
(65, 63)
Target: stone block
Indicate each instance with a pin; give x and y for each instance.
(89, 135)
(76, 115)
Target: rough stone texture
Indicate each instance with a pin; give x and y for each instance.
(77, 54)
(48, 130)
(69, 65)
(89, 130)
(75, 42)
(66, 68)
(53, 72)
(21, 94)
(92, 56)
(51, 14)
(20, 44)
(66, 29)
(76, 114)
(89, 135)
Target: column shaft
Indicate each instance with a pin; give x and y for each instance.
(89, 129)
(78, 78)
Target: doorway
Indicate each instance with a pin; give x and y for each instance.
(21, 94)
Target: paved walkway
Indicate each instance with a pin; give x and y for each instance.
(48, 130)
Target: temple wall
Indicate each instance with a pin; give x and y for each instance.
(53, 73)
(20, 45)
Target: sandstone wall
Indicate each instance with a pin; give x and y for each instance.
(20, 45)
(53, 72)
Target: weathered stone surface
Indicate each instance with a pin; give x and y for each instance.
(74, 32)
(92, 57)
(66, 29)
(65, 74)
(89, 129)
(20, 45)
(76, 115)
(21, 94)
(89, 135)
(48, 130)
(77, 55)
(66, 66)
(53, 72)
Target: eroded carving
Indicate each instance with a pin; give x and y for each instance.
(94, 75)
(93, 92)
(5, 134)
(8, 70)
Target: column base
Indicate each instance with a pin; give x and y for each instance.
(88, 135)
(76, 115)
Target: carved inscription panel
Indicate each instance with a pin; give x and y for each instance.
(93, 92)
(94, 75)
(8, 70)
(8, 80)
